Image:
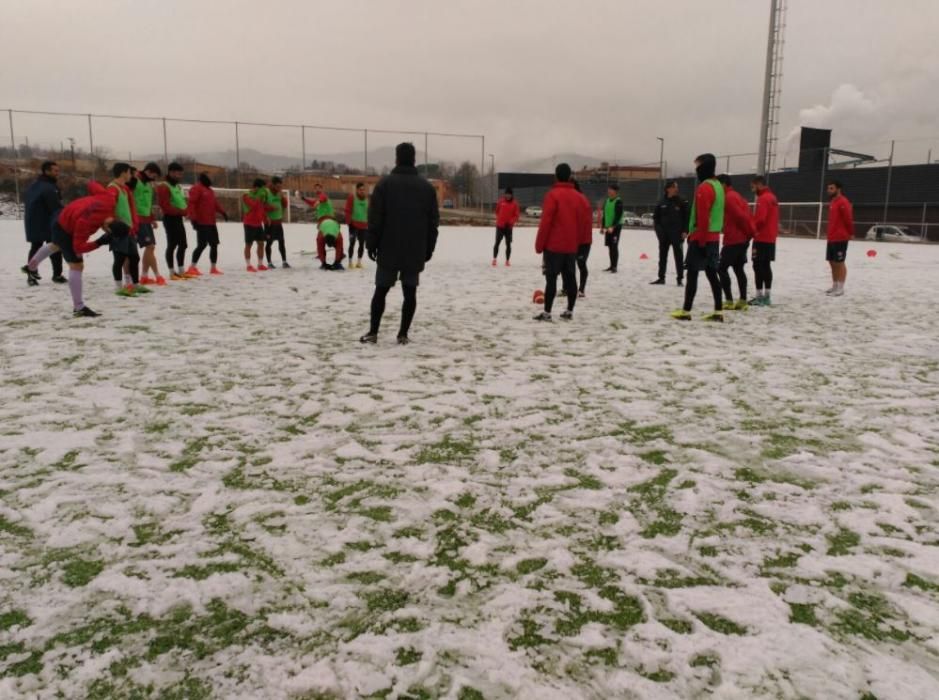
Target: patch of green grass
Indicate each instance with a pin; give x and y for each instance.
(912, 581)
(802, 614)
(654, 457)
(193, 409)
(704, 660)
(584, 481)
(787, 560)
(839, 506)
(677, 625)
(671, 578)
(382, 514)
(529, 637)
(660, 675)
(404, 656)
(719, 623)
(466, 500)
(608, 518)
(366, 577)
(80, 572)
(608, 656)
(449, 450)
(779, 445)
(14, 618)
(642, 434)
(301, 500)
(399, 557)
(627, 611)
(869, 617)
(707, 551)
(842, 542)
(67, 463)
(200, 573)
(14, 528)
(749, 475)
(527, 566)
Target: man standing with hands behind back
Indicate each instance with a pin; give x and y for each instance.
(402, 234)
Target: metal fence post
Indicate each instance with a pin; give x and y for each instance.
(923, 222)
(889, 179)
(237, 158)
(482, 171)
(821, 193)
(91, 145)
(16, 163)
(302, 149)
(426, 162)
(366, 150)
(166, 151)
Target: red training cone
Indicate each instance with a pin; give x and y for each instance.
(537, 297)
(643, 257)
(872, 253)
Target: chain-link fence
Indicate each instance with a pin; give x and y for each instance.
(233, 153)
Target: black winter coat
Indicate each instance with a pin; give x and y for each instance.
(403, 220)
(42, 200)
(671, 217)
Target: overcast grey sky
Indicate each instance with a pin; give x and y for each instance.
(599, 77)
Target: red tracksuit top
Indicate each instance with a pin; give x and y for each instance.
(586, 235)
(95, 188)
(766, 217)
(704, 198)
(507, 212)
(562, 220)
(738, 226)
(358, 225)
(84, 216)
(163, 201)
(840, 220)
(203, 205)
(257, 211)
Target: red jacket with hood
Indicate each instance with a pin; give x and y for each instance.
(507, 212)
(84, 216)
(738, 226)
(564, 220)
(203, 205)
(840, 220)
(766, 217)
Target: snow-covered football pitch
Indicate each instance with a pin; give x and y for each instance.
(215, 491)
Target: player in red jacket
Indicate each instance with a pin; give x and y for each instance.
(172, 203)
(204, 210)
(72, 229)
(840, 231)
(254, 209)
(356, 212)
(564, 220)
(586, 239)
(738, 230)
(766, 230)
(507, 214)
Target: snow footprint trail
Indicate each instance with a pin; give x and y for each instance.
(216, 491)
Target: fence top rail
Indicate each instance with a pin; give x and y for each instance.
(235, 121)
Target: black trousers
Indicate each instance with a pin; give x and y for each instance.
(117, 269)
(407, 308)
(611, 240)
(506, 233)
(734, 257)
(704, 258)
(674, 243)
(357, 235)
(175, 240)
(583, 252)
(55, 258)
(563, 264)
(275, 232)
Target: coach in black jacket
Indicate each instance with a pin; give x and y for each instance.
(402, 235)
(671, 226)
(42, 200)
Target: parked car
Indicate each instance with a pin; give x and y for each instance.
(533, 211)
(647, 220)
(448, 204)
(631, 218)
(897, 234)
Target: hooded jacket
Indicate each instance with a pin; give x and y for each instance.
(203, 205)
(564, 220)
(402, 220)
(84, 216)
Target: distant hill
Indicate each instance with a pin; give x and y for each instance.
(576, 160)
(273, 162)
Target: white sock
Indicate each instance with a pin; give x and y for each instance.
(118, 284)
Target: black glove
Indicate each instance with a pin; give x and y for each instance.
(103, 240)
(373, 254)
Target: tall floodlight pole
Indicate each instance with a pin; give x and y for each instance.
(771, 86)
(661, 161)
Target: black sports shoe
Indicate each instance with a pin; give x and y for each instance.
(285, 264)
(403, 340)
(32, 277)
(567, 315)
(613, 270)
(59, 279)
(679, 283)
(609, 269)
(85, 312)
(658, 281)
(369, 338)
(543, 316)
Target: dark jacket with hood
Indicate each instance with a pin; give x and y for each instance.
(42, 200)
(403, 220)
(670, 218)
